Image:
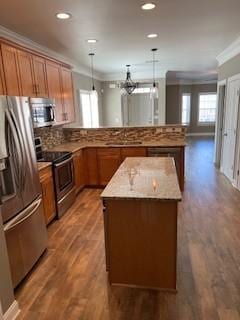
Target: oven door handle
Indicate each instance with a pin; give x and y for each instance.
(63, 162)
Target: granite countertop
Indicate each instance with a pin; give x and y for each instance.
(161, 171)
(43, 165)
(75, 146)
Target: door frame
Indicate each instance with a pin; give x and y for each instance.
(218, 145)
(237, 142)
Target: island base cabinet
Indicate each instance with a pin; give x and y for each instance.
(141, 243)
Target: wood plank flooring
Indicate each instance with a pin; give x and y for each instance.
(70, 281)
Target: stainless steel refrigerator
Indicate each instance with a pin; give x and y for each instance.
(22, 208)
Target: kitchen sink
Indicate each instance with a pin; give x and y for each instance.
(123, 143)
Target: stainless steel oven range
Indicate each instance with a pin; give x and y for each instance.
(62, 165)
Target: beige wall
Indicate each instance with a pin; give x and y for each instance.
(229, 68)
(111, 105)
(111, 102)
(81, 82)
(6, 290)
(173, 105)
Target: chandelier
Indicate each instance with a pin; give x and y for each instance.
(129, 86)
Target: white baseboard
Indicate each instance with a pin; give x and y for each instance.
(200, 134)
(12, 312)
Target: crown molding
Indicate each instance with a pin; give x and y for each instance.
(189, 82)
(30, 44)
(136, 75)
(231, 51)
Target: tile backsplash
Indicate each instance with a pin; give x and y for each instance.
(56, 135)
(51, 136)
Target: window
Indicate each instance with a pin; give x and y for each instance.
(207, 108)
(89, 106)
(142, 90)
(186, 107)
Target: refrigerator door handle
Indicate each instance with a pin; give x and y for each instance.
(16, 154)
(20, 138)
(23, 216)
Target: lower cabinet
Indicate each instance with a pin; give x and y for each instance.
(90, 158)
(48, 194)
(79, 170)
(109, 160)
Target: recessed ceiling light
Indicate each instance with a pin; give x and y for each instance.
(63, 15)
(148, 6)
(152, 35)
(92, 40)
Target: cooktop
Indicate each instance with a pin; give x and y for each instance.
(53, 156)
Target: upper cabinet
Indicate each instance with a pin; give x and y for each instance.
(40, 76)
(10, 67)
(24, 72)
(67, 95)
(27, 85)
(2, 80)
(55, 89)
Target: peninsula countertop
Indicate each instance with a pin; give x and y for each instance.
(151, 170)
(43, 165)
(75, 146)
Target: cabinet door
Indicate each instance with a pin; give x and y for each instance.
(67, 94)
(79, 170)
(10, 67)
(40, 76)
(90, 156)
(133, 152)
(109, 160)
(27, 86)
(2, 79)
(54, 88)
(48, 197)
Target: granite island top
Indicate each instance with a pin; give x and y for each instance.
(150, 171)
(75, 146)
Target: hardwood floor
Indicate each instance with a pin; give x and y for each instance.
(70, 281)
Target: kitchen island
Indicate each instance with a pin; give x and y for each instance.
(140, 223)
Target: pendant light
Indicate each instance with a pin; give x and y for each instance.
(91, 55)
(129, 86)
(154, 89)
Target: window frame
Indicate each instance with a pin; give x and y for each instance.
(190, 95)
(200, 123)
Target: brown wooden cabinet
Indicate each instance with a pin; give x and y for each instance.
(79, 170)
(26, 76)
(40, 76)
(109, 160)
(67, 95)
(54, 88)
(2, 80)
(48, 194)
(133, 152)
(10, 67)
(24, 72)
(90, 158)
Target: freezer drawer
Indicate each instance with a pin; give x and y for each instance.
(26, 238)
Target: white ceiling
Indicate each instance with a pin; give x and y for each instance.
(191, 33)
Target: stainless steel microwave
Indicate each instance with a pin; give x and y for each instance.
(43, 112)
